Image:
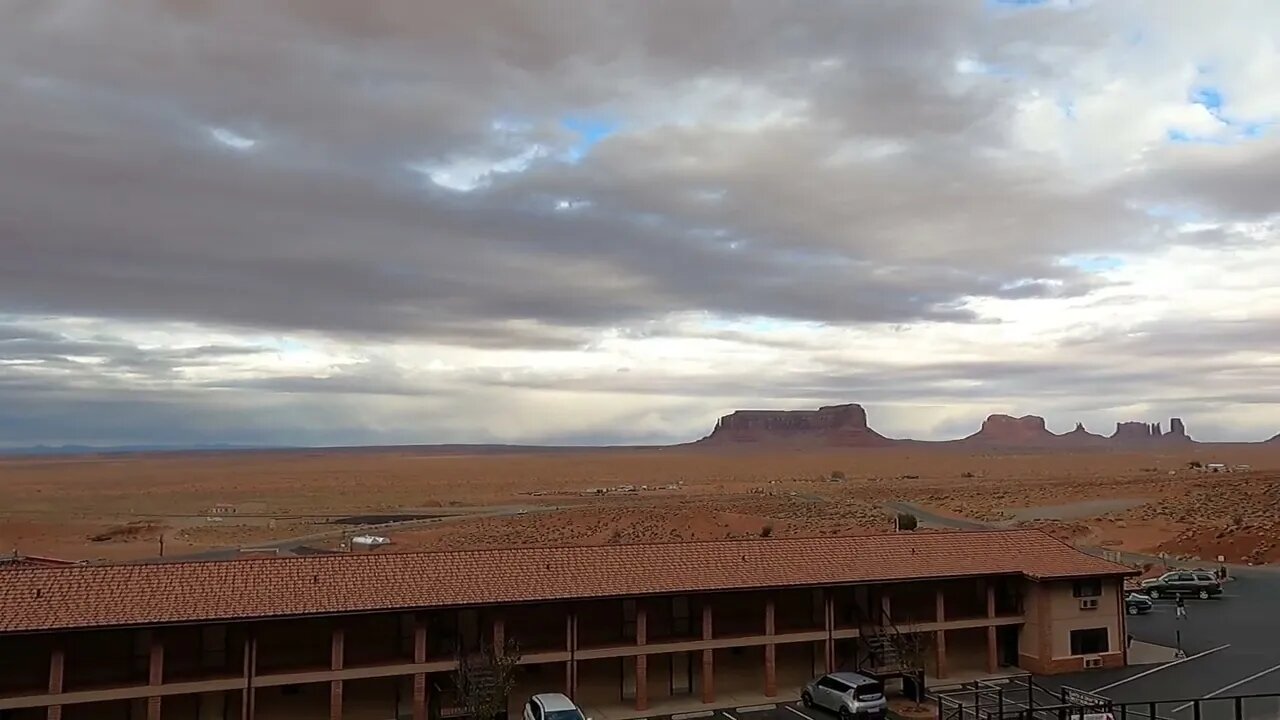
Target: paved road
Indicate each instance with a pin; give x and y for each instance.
(289, 546)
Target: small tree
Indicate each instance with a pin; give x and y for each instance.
(484, 680)
(912, 651)
(907, 521)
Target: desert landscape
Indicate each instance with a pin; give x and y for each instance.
(757, 474)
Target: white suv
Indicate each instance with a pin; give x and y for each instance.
(848, 694)
(551, 706)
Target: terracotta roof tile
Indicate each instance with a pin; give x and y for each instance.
(112, 595)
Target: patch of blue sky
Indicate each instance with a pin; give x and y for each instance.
(1068, 108)
(1094, 263)
(755, 323)
(1233, 132)
(590, 131)
(1163, 211)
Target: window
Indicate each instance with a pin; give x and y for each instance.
(871, 691)
(830, 683)
(1087, 588)
(1089, 642)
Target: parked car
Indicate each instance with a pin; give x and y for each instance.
(1197, 583)
(551, 706)
(848, 694)
(1136, 604)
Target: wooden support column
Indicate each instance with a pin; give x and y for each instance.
(708, 657)
(886, 608)
(337, 644)
(993, 659)
(642, 662)
(770, 651)
(571, 644)
(57, 661)
(419, 679)
(155, 674)
(940, 636)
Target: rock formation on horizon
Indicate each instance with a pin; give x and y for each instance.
(846, 425)
(831, 424)
(1000, 430)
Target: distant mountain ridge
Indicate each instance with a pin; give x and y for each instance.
(846, 425)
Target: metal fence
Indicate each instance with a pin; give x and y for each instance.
(1021, 698)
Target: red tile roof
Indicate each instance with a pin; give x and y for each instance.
(113, 595)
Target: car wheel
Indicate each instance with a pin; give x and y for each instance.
(806, 699)
(1133, 610)
(1154, 593)
(1203, 594)
(845, 714)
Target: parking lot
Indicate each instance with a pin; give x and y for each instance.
(781, 711)
(1231, 647)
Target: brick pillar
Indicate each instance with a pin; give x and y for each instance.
(155, 675)
(940, 647)
(708, 657)
(336, 652)
(419, 679)
(770, 652)
(993, 659)
(642, 662)
(57, 661)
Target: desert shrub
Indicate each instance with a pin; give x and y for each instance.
(766, 531)
(837, 474)
(967, 475)
(1195, 464)
(907, 521)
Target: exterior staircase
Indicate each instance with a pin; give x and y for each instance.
(883, 655)
(886, 651)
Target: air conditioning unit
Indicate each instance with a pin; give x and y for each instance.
(1089, 603)
(1091, 663)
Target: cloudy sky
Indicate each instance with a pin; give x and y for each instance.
(395, 221)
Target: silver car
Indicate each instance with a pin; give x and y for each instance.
(848, 694)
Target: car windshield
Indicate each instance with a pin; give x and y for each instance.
(564, 715)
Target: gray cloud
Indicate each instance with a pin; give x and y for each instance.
(266, 169)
